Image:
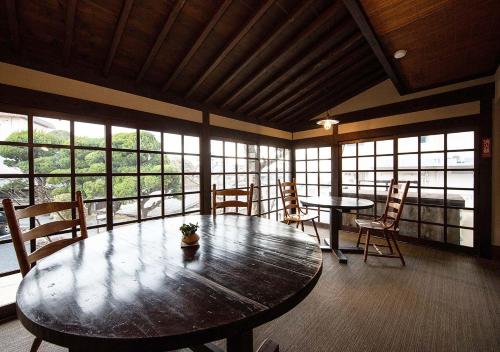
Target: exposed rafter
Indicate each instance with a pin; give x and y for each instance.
(263, 46)
(332, 96)
(295, 82)
(340, 80)
(366, 29)
(308, 32)
(330, 73)
(13, 24)
(120, 28)
(208, 28)
(69, 31)
(230, 46)
(176, 10)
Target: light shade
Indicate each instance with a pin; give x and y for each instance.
(327, 123)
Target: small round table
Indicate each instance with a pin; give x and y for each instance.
(337, 206)
(136, 289)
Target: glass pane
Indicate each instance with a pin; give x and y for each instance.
(432, 214)
(300, 177)
(173, 184)
(411, 176)
(172, 143)
(230, 165)
(300, 166)
(216, 148)
(173, 204)
(52, 189)
(51, 160)
(13, 127)
(90, 161)
(218, 181)
(95, 213)
(312, 153)
(432, 196)
(192, 202)
(312, 165)
(150, 163)
(300, 154)
(325, 178)
(409, 229)
(272, 153)
(123, 138)
(16, 189)
(461, 217)
(407, 145)
(92, 187)
(124, 186)
(460, 179)
(462, 140)
(191, 183)
(191, 144)
(150, 185)
(252, 151)
(229, 149)
(385, 162)
(90, 134)
(150, 207)
(366, 163)
(14, 160)
(432, 178)
(349, 178)
(460, 198)
(432, 143)
(173, 163)
(385, 147)
(325, 153)
(230, 180)
(410, 212)
(124, 162)
(460, 160)
(366, 178)
(242, 181)
(462, 237)
(366, 148)
(124, 210)
(312, 178)
(432, 232)
(50, 131)
(325, 165)
(408, 161)
(348, 164)
(432, 161)
(349, 149)
(241, 150)
(150, 140)
(264, 152)
(191, 163)
(242, 165)
(384, 178)
(252, 165)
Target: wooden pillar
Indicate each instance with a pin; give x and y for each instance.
(205, 164)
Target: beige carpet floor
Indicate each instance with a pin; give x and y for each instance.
(439, 302)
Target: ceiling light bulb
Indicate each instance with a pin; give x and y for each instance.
(327, 123)
(400, 54)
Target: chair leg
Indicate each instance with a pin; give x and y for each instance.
(36, 343)
(359, 236)
(397, 249)
(386, 235)
(298, 223)
(316, 231)
(367, 243)
(302, 225)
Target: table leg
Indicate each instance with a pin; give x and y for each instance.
(240, 343)
(335, 221)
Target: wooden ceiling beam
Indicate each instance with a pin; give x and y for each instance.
(294, 83)
(230, 46)
(176, 10)
(359, 16)
(298, 40)
(13, 23)
(117, 36)
(320, 106)
(69, 31)
(339, 82)
(298, 11)
(194, 48)
(335, 71)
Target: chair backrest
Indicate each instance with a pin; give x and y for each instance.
(232, 203)
(19, 237)
(289, 197)
(394, 203)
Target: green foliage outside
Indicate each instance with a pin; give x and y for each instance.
(58, 161)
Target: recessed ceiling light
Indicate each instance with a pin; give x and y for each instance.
(400, 54)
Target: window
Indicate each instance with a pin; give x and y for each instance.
(313, 172)
(440, 169)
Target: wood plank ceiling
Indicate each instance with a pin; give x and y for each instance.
(276, 63)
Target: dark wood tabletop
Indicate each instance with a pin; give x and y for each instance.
(134, 288)
(341, 203)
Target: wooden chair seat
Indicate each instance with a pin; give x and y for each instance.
(370, 224)
(301, 217)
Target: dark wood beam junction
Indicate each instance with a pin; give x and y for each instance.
(176, 10)
(349, 47)
(306, 35)
(13, 23)
(230, 46)
(311, 60)
(298, 11)
(69, 31)
(196, 45)
(117, 36)
(359, 16)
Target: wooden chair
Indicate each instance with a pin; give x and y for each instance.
(232, 203)
(26, 261)
(387, 225)
(290, 199)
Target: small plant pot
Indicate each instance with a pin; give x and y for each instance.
(190, 240)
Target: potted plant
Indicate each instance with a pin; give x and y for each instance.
(189, 236)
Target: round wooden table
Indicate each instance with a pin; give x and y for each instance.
(337, 206)
(135, 289)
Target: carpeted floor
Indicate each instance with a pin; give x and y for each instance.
(439, 302)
